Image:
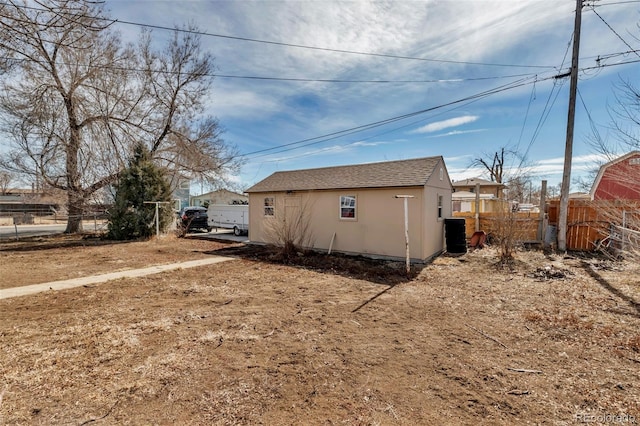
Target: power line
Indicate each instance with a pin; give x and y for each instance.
(315, 80)
(395, 129)
(545, 111)
(608, 65)
(334, 135)
(614, 31)
(293, 79)
(326, 49)
(611, 55)
(294, 45)
(289, 79)
(616, 3)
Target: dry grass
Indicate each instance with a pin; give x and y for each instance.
(252, 341)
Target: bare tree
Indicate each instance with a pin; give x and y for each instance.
(5, 181)
(290, 228)
(519, 189)
(625, 116)
(75, 100)
(618, 223)
(508, 229)
(494, 166)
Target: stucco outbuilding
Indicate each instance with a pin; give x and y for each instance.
(354, 209)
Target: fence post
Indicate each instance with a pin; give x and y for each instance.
(543, 203)
(477, 228)
(624, 226)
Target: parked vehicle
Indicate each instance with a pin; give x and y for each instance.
(193, 218)
(232, 216)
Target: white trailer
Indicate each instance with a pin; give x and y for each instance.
(232, 216)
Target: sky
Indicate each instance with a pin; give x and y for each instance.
(351, 82)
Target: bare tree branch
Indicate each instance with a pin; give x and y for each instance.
(75, 100)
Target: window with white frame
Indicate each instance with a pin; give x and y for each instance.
(269, 206)
(441, 173)
(347, 207)
(439, 206)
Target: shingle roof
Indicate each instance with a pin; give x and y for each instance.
(473, 181)
(401, 173)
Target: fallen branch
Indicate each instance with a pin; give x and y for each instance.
(523, 370)
(269, 333)
(100, 418)
(487, 336)
(518, 392)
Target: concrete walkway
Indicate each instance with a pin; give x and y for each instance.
(97, 279)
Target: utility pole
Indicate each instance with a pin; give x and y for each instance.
(568, 149)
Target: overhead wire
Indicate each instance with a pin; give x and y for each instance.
(616, 3)
(615, 32)
(544, 116)
(319, 139)
(288, 79)
(294, 45)
(592, 123)
(249, 77)
(532, 97)
(547, 107)
(334, 135)
(377, 135)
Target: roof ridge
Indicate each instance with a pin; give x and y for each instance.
(359, 164)
(395, 173)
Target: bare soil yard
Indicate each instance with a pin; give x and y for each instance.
(323, 340)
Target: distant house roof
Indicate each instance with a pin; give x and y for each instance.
(473, 181)
(219, 192)
(403, 173)
(463, 195)
(573, 196)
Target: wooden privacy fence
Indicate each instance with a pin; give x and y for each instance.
(589, 223)
(527, 225)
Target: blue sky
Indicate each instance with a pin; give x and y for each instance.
(453, 50)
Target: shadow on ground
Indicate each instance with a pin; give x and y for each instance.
(58, 241)
(610, 288)
(377, 271)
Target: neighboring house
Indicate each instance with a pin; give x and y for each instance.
(16, 202)
(221, 196)
(486, 186)
(354, 209)
(619, 179)
(464, 195)
(465, 201)
(182, 194)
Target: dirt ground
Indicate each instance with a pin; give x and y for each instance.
(323, 340)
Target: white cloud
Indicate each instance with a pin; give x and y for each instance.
(241, 103)
(445, 124)
(269, 113)
(458, 132)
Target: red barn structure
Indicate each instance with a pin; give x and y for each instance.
(619, 179)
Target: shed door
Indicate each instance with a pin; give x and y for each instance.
(292, 209)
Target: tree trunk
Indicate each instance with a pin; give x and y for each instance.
(75, 207)
(75, 198)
